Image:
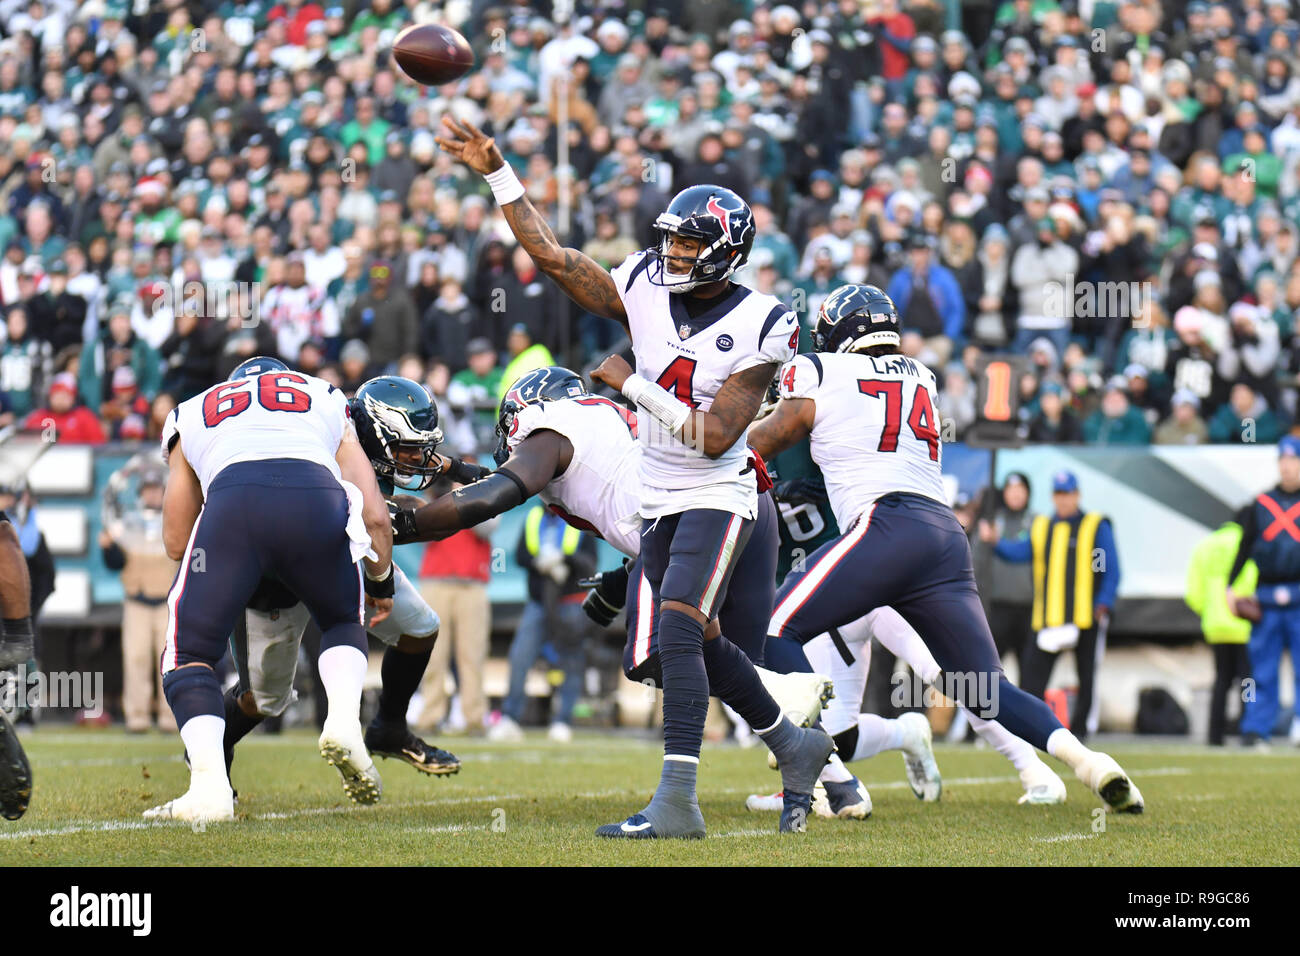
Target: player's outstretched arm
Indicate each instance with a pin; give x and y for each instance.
(182, 502)
(711, 432)
(15, 585)
(581, 277)
(539, 458)
(790, 423)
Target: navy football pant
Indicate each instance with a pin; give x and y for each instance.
(910, 553)
(280, 517)
(745, 610)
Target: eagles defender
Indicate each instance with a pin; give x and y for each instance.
(397, 426)
(868, 412)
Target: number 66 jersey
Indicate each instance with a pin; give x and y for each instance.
(273, 415)
(875, 430)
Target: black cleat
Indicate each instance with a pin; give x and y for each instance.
(400, 744)
(15, 773)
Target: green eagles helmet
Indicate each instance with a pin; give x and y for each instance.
(397, 424)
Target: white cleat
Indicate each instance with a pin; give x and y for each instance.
(1108, 780)
(505, 731)
(775, 802)
(343, 747)
(209, 800)
(918, 758)
(1042, 785)
(800, 696)
(560, 733)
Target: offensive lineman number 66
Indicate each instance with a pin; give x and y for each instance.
(227, 400)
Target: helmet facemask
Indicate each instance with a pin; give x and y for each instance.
(410, 460)
(715, 262)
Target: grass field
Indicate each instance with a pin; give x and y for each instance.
(537, 803)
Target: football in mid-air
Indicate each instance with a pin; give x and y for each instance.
(432, 54)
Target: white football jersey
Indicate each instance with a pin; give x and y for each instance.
(876, 429)
(692, 358)
(272, 415)
(600, 491)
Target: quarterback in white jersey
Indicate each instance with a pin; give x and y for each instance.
(266, 478)
(701, 376)
(900, 544)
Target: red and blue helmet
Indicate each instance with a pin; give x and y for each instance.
(855, 317)
(720, 219)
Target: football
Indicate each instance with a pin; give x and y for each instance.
(432, 54)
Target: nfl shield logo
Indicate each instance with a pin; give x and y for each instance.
(684, 331)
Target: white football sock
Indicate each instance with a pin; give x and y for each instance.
(877, 734)
(835, 771)
(343, 674)
(203, 735)
(850, 680)
(1021, 753)
(1067, 748)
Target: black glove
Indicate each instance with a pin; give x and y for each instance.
(463, 473)
(608, 594)
(404, 530)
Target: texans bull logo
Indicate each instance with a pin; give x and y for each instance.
(733, 224)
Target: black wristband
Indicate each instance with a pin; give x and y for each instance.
(598, 609)
(382, 589)
(18, 627)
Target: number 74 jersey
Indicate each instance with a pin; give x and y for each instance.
(876, 428)
(272, 415)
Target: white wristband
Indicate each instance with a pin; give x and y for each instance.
(380, 577)
(655, 399)
(506, 187)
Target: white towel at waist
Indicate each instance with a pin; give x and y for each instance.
(358, 536)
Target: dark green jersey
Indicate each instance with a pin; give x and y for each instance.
(809, 524)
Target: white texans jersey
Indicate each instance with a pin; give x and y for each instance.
(876, 429)
(601, 489)
(272, 415)
(692, 358)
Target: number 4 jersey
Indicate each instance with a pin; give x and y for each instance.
(272, 415)
(876, 429)
(692, 356)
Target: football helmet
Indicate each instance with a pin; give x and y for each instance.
(716, 216)
(547, 384)
(394, 415)
(256, 366)
(854, 317)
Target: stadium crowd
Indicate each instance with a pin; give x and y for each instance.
(185, 184)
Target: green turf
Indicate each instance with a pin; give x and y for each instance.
(537, 803)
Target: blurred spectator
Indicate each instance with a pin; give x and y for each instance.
(384, 317)
(1245, 419)
(1227, 634)
(1116, 422)
(929, 299)
(63, 419)
(1054, 423)
(1184, 425)
(1040, 270)
(25, 364)
(147, 575)
(453, 579)
(525, 355)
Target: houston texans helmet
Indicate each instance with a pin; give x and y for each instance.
(720, 219)
(548, 384)
(394, 417)
(855, 317)
(256, 366)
